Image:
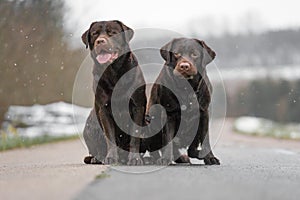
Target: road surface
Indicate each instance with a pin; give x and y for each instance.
(251, 168)
(51, 171)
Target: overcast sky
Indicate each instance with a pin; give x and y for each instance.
(186, 16)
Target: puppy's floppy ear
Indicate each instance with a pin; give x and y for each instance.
(165, 51)
(127, 31)
(86, 36)
(208, 53)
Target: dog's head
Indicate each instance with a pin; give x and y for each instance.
(187, 57)
(107, 40)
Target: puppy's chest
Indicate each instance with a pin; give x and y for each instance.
(189, 111)
(184, 102)
(187, 118)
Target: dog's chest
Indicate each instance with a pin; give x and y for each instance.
(189, 111)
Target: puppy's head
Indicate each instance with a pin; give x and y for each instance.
(107, 40)
(187, 57)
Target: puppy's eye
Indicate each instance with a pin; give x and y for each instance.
(114, 32)
(111, 32)
(94, 33)
(177, 55)
(194, 55)
(108, 32)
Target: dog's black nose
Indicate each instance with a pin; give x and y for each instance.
(101, 40)
(185, 66)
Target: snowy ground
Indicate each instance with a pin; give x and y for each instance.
(63, 119)
(56, 119)
(265, 127)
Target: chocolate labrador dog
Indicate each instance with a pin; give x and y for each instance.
(108, 42)
(185, 62)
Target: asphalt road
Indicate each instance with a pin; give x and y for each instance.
(245, 173)
(251, 168)
(48, 172)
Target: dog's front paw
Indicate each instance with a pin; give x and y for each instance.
(211, 160)
(110, 161)
(183, 159)
(149, 160)
(164, 161)
(134, 159)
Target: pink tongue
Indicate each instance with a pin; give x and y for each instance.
(103, 57)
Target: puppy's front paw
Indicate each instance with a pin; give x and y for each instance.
(183, 159)
(134, 159)
(163, 161)
(149, 160)
(211, 160)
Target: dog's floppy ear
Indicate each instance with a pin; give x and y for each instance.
(165, 51)
(86, 36)
(208, 53)
(128, 32)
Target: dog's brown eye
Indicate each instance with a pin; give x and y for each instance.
(114, 32)
(177, 55)
(94, 33)
(109, 32)
(194, 55)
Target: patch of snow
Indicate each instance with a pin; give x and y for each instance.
(295, 135)
(55, 119)
(252, 125)
(264, 127)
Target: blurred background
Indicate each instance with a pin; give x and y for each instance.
(257, 45)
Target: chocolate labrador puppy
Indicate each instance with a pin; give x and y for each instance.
(185, 61)
(108, 42)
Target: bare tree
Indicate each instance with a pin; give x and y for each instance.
(36, 65)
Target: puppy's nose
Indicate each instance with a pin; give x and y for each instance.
(101, 40)
(185, 66)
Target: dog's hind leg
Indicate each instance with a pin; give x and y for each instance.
(94, 139)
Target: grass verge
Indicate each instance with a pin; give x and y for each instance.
(15, 141)
(102, 176)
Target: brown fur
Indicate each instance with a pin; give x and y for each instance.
(197, 54)
(113, 37)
